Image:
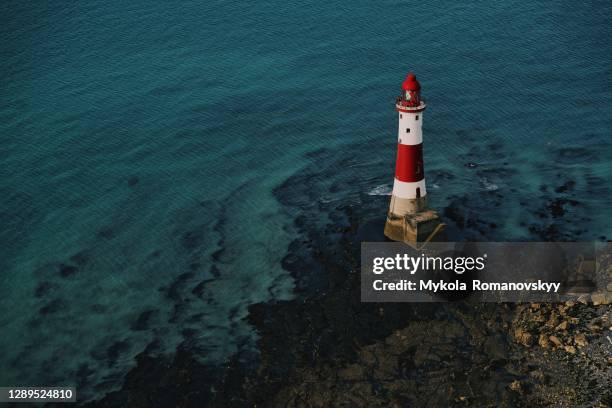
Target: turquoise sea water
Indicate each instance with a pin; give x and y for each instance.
(142, 143)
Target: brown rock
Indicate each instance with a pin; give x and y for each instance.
(553, 320)
(543, 341)
(538, 317)
(570, 349)
(580, 340)
(516, 386)
(599, 299)
(523, 337)
(562, 309)
(555, 341)
(562, 325)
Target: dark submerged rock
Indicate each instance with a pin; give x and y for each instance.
(67, 270)
(133, 181)
(107, 233)
(44, 288)
(52, 307)
(142, 322)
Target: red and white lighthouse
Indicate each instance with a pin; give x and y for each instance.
(408, 218)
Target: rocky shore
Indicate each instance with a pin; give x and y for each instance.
(331, 350)
(326, 348)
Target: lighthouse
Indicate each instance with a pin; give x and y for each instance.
(409, 219)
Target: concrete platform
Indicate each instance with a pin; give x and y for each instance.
(415, 229)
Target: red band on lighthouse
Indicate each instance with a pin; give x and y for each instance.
(409, 165)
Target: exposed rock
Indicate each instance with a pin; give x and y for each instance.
(516, 386)
(580, 340)
(599, 299)
(553, 320)
(562, 326)
(523, 336)
(593, 327)
(543, 341)
(555, 340)
(570, 349)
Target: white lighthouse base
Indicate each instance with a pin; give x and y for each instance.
(400, 206)
(414, 229)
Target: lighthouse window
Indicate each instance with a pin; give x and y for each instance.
(408, 130)
(400, 115)
(416, 117)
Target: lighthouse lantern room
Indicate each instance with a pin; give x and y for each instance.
(408, 218)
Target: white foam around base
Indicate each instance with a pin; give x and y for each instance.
(382, 190)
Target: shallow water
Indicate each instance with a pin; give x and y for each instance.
(142, 145)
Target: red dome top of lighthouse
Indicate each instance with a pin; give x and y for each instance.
(411, 83)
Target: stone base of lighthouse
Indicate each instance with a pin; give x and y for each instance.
(414, 229)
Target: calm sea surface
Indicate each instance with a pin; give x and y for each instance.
(142, 143)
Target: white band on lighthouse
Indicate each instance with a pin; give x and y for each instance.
(409, 131)
(410, 190)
